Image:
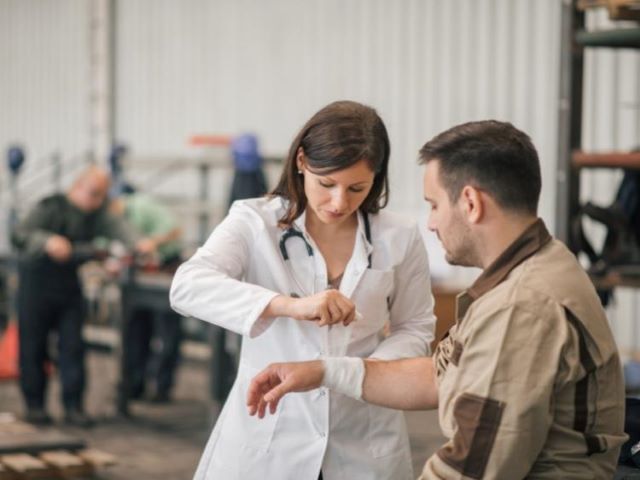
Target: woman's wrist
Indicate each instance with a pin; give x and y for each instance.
(280, 306)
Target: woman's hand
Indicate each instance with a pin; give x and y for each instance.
(327, 308)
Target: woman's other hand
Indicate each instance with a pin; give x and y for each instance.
(328, 307)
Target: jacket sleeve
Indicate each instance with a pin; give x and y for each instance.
(501, 410)
(411, 306)
(116, 228)
(31, 234)
(209, 285)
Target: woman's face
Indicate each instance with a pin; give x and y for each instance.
(334, 197)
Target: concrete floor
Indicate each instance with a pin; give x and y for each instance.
(165, 441)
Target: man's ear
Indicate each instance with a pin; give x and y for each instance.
(472, 203)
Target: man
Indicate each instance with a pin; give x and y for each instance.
(161, 239)
(528, 380)
(52, 242)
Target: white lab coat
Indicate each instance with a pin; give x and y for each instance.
(233, 277)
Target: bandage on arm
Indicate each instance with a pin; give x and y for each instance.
(344, 375)
(406, 384)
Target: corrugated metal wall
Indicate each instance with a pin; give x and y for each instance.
(44, 89)
(230, 65)
(44, 75)
(227, 65)
(223, 66)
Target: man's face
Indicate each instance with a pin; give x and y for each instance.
(90, 192)
(447, 220)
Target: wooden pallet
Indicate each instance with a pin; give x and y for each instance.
(53, 464)
(618, 9)
(29, 453)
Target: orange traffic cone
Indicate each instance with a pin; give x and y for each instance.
(9, 353)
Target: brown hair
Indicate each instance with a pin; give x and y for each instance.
(338, 136)
(491, 155)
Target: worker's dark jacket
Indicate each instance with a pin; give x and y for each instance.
(56, 215)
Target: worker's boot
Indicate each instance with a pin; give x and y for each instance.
(38, 416)
(161, 396)
(77, 418)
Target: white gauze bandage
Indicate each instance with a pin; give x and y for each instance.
(344, 375)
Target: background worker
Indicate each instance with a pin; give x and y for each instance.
(54, 239)
(160, 245)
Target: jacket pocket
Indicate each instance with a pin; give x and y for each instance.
(372, 297)
(243, 439)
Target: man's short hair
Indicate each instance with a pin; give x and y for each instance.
(492, 156)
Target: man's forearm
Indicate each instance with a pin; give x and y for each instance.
(31, 244)
(407, 384)
(170, 236)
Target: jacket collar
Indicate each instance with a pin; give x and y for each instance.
(362, 248)
(527, 244)
(361, 237)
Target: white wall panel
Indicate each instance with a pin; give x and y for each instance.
(43, 75)
(225, 66)
(44, 88)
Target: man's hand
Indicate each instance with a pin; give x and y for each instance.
(146, 246)
(58, 248)
(112, 266)
(278, 379)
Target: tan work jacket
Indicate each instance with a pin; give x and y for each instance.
(529, 377)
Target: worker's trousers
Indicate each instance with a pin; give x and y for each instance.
(148, 329)
(41, 314)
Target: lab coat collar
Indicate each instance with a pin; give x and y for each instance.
(361, 237)
(299, 223)
(363, 234)
(359, 260)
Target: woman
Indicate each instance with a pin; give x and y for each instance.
(314, 270)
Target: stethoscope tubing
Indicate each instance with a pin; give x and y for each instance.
(292, 232)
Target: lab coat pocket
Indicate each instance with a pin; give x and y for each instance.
(387, 431)
(372, 297)
(243, 439)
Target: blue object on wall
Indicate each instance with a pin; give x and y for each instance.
(117, 151)
(15, 158)
(244, 149)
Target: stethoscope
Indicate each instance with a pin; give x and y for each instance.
(292, 232)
